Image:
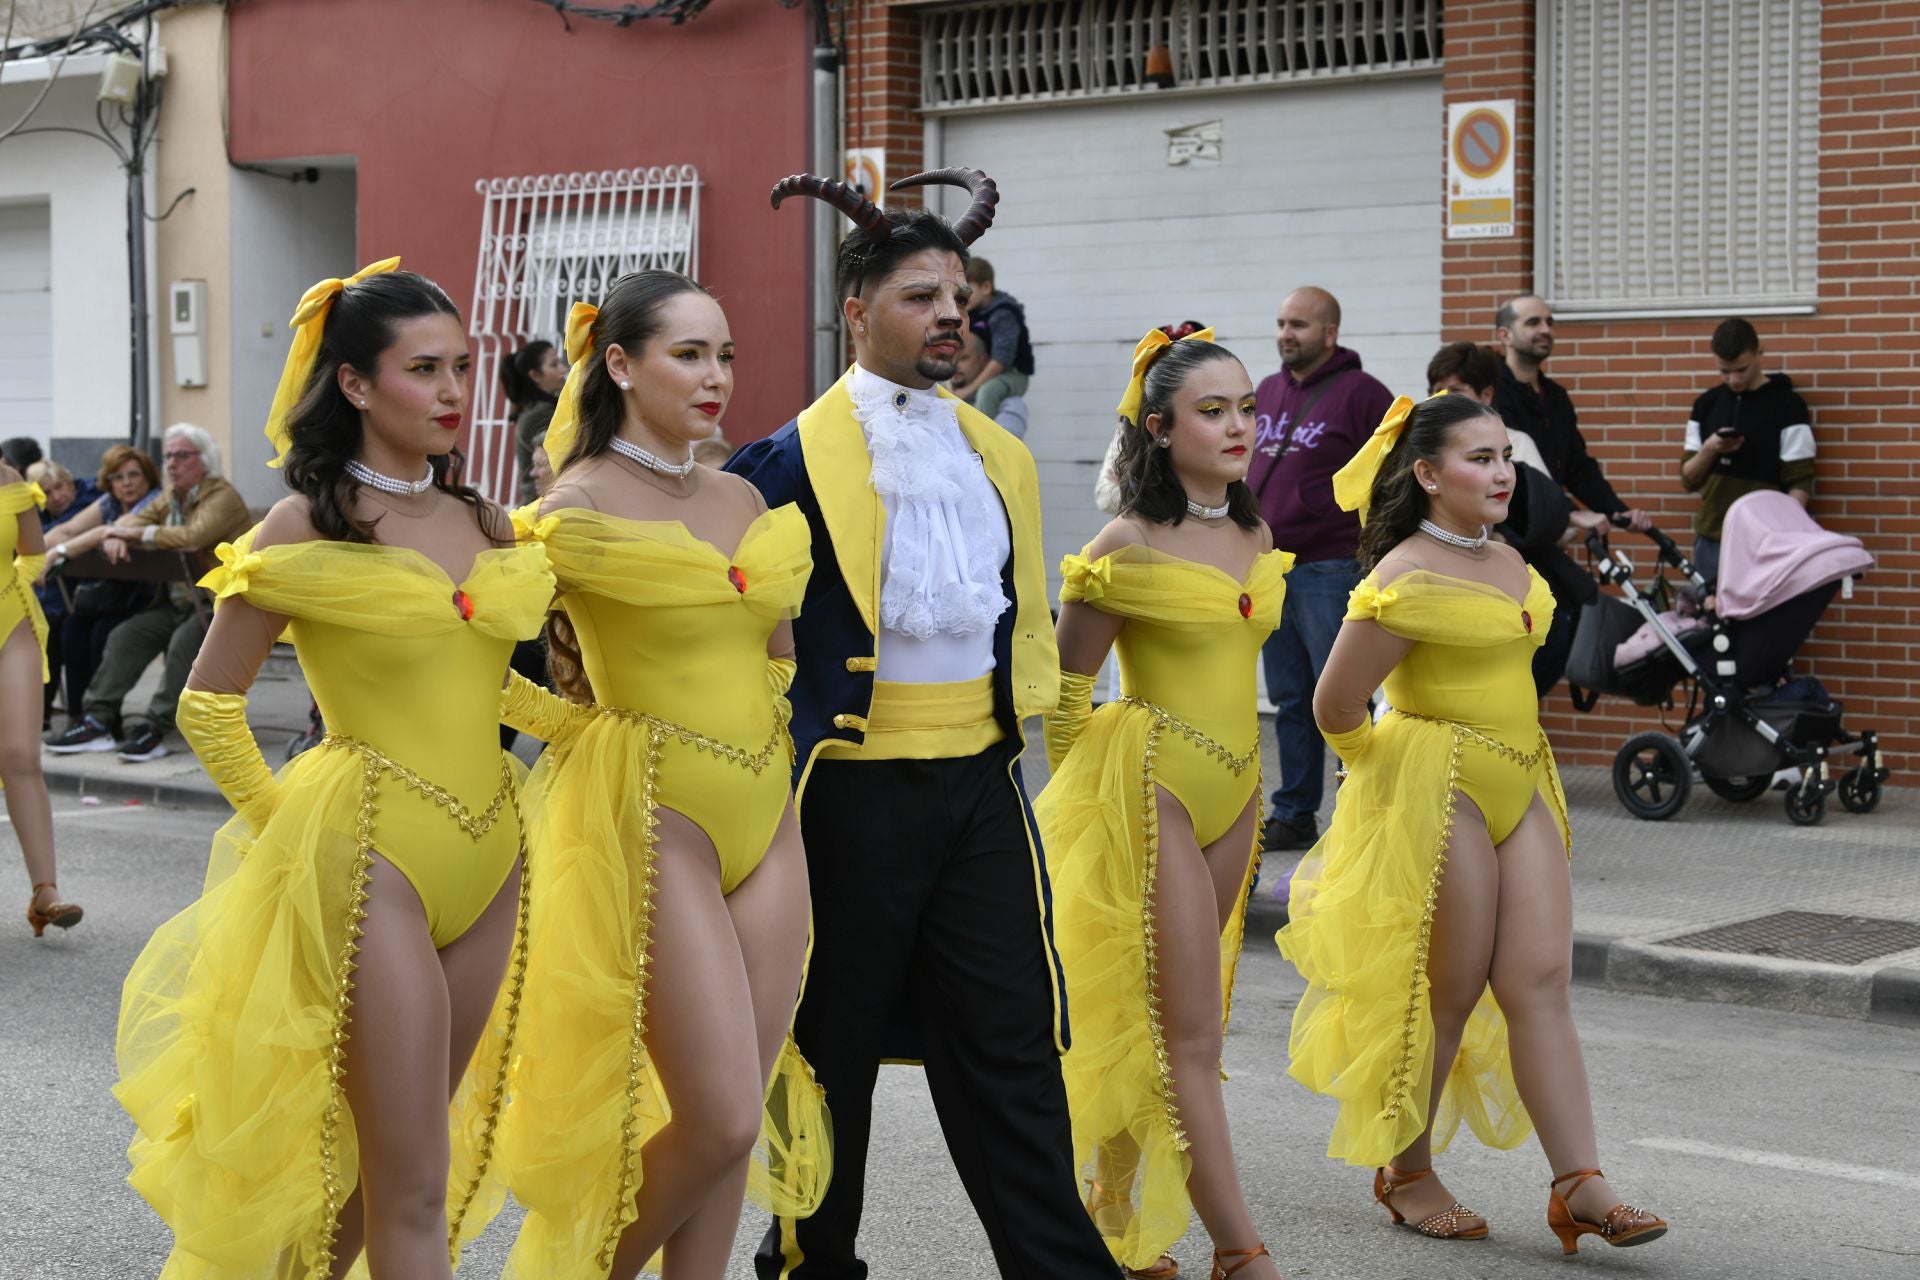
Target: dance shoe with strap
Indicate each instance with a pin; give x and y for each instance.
(1455, 1222)
(1624, 1225)
(1220, 1268)
(61, 915)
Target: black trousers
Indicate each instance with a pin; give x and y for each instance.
(924, 896)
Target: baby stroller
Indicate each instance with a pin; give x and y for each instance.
(1746, 719)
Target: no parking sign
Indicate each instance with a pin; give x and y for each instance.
(1480, 169)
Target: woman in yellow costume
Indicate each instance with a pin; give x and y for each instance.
(1152, 817)
(289, 1043)
(1433, 923)
(669, 928)
(23, 674)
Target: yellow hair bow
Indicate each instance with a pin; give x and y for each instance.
(309, 324)
(38, 494)
(1149, 349)
(1353, 483)
(566, 415)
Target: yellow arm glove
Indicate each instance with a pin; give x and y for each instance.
(1069, 716)
(1350, 744)
(215, 726)
(539, 713)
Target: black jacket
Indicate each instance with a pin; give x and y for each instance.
(1549, 418)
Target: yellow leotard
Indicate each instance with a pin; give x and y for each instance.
(673, 636)
(1465, 720)
(1187, 722)
(230, 1021)
(17, 601)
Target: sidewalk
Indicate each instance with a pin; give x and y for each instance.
(1637, 886)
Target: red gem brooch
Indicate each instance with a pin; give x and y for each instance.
(1527, 618)
(463, 605)
(1246, 605)
(737, 578)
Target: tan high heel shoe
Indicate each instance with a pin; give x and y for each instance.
(61, 915)
(1221, 1271)
(1099, 1201)
(1624, 1224)
(1444, 1225)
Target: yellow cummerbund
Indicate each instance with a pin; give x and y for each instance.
(925, 722)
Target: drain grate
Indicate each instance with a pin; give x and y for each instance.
(1808, 935)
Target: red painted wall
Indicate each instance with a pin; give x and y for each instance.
(432, 97)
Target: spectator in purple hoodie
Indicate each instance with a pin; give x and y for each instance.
(1312, 418)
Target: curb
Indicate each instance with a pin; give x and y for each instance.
(61, 782)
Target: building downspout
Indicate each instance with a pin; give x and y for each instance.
(829, 126)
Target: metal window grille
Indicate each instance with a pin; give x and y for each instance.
(1678, 166)
(546, 243)
(1018, 51)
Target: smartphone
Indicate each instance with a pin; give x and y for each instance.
(1730, 433)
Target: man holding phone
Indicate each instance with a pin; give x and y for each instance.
(1750, 431)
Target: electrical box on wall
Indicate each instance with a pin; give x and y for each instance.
(187, 322)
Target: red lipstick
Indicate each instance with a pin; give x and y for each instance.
(451, 421)
(1237, 450)
(711, 408)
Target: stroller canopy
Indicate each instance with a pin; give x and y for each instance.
(1771, 551)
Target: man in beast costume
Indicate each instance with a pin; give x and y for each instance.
(923, 641)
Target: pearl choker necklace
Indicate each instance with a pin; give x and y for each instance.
(366, 475)
(653, 462)
(1435, 532)
(1208, 513)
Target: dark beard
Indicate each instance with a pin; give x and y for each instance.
(935, 368)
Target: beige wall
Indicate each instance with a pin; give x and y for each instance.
(192, 243)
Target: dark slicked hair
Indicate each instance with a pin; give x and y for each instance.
(863, 261)
(1734, 338)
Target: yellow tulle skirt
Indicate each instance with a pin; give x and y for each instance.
(231, 1034)
(585, 1096)
(1097, 823)
(1360, 925)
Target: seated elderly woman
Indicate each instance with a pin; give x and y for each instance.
(199, 511)
(128, 482)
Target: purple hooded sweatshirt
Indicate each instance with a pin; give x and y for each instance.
(1294, 461)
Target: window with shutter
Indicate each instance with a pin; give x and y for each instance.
(1677, 166)
(992, 53)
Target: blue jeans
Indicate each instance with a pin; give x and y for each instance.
(1706, 556)
(1294, 657)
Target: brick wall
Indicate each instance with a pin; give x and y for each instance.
(1856, 361)
(882, 82)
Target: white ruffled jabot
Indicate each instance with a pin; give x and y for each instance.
(946, 537)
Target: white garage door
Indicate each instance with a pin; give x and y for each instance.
(26, 322)
(1100, 239)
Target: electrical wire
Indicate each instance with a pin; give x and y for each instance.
(625, 15)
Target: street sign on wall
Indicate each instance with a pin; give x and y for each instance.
(1480, 169)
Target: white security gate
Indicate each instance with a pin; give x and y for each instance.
(1122, 213)
(546, 243)
(26, 321)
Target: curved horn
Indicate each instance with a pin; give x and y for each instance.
(866, 215)
(972, 224)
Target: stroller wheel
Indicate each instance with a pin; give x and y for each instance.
(1738, 789)
(1652, 775)
(1804, 808)
(1860, 790)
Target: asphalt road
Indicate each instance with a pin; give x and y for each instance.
(1778, 1145)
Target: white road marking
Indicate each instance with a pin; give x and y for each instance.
(1781, 1160)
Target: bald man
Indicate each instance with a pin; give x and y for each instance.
(1313, 416)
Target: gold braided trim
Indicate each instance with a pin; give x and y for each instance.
(657, 731)
(1400, 1082)
(1149, 931)
(374, 763)
(1237, 764)
(514, 983)
(379, 762)
(754, 762)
